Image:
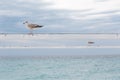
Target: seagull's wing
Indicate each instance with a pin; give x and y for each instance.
(34, 25)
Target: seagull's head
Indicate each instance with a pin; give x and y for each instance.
(25, 22)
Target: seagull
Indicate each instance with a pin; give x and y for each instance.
(32, 26)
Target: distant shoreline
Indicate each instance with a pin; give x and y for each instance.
(59, 33)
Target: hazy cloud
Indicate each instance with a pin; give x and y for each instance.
(61, 16)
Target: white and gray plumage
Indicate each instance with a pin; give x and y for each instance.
(32, 26)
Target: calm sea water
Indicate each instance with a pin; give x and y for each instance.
(61, 68)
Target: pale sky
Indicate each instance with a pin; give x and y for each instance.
(66, 16)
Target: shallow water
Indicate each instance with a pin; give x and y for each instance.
(60, 68)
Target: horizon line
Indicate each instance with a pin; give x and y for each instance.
(56, 33)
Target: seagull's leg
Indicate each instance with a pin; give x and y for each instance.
(31, 31)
